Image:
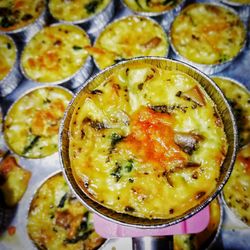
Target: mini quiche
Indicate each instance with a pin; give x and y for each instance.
(55, 53)
(129, 37)
(147, 142)
(14, 180)
(7, 56)
(57, 220)
(17, 14)
(207, 34)
(237, 2)
(32, 123)
(204, 239)
(76, 10)
(153, 6)
(239, 98)
(237, 191)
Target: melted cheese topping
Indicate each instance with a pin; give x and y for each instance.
(14, 180)
(57, 220)
(7, 56)
(34, 119)
(16, 14)
(237, 190)
(55, 53)
(129, 37)
(147, 142)
(203, 239)
(239, 98)
(76, 10)
(151, 5)
(207, 34)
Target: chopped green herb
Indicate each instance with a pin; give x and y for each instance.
(75, 47)
(122, 169)
(31, 145)
(129, 166)
(62, 201)
(92, 6)
(117, 172)
(115, 138)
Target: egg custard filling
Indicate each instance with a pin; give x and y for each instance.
(76, 10)
(7, 56)
(239, 98)
(207, 34)
(32, 123)
(151, 5)
(17, 14)
(55, 53)
(57, 220)
(147, 141)
(237, 190)
(129, 37)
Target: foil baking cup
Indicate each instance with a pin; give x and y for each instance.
(74, 81)
(95, 23)
(125, 17)
(223, 108)
(164, 18)
(209, 68)
(13, 78)
(24, 34)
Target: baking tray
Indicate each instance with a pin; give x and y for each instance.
(234, 235)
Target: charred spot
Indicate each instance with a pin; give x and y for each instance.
(166, 175)
(171, 210)
(245, 205)
(82, 133)
(86, 183)
(200, 195)
(129, 209)
(160, 108)
(96, 91)
(178, 94)
(27, 17)
(195, 37)
(195, 175)
(131, 180)
(149, 77)
(57, 43)
(140, 86)
(127, 70)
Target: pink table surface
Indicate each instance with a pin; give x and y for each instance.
(195, 224)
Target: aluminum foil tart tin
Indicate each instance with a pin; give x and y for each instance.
(207, 238)
(235, 3)
(209, 68)
(12, 79)
(237, 188)
(47, 139)
(47, 189)
(245, 138)
(123, 33)
(125, 219)
(94, 23)
(164, 17)
(73, 81)
(24, 34)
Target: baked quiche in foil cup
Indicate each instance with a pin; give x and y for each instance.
(57, 55)
(208, 36)
(22, 18)
(148, 142)
(128, 37)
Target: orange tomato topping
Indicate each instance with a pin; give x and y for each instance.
(152, 139)
(11, 230)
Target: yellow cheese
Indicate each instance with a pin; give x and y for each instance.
(237, 190)
(203, 239)
(55, 53)
(147, 142)
(76, 10)
(14, 180)
(32, 123)
(207, 34)
(17, 14)
(239, 98)
(57, 220)
(7, 56)
(151, 5)
(129, 37)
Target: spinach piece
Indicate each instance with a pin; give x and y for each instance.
(117, 172)
(92, 6)
(75, 47)
(115, 138)
(62, 201)
(129, 165)
(122, 169)
(31, 145)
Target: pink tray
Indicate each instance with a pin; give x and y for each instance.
(195, 224)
